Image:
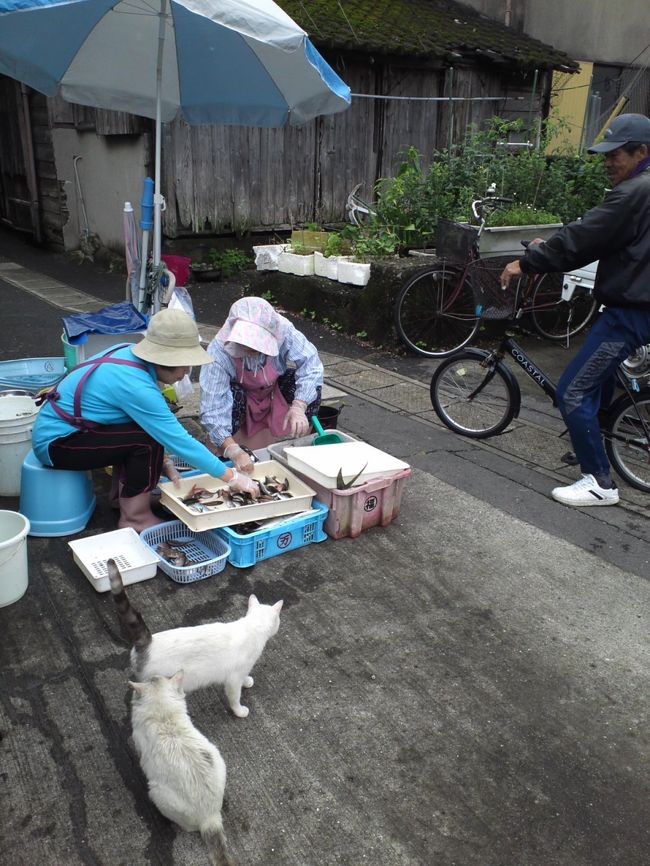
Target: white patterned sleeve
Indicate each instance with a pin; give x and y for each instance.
(215, 409)
(302, 354)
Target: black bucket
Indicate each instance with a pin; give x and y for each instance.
(328, 416)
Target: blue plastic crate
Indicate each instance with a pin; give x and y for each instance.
(31, 374)
(296, 531)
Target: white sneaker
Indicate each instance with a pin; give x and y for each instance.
(586, 491)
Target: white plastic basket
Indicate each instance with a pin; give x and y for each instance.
(207, 554)
(133, 558)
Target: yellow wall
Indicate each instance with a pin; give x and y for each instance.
(569, 97)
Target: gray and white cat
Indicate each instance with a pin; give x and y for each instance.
(218, 653)
(185, 771)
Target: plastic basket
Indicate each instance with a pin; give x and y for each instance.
(296, 531)
(206, 552)
(31, 374)
(133, 558)
(484, 277)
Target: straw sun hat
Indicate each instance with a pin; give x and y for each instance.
(172, 340)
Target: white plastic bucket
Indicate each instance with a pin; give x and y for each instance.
(17, 416)
(13, 556)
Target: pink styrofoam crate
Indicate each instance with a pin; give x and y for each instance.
(375, 503)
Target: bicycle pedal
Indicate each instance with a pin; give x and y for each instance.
(569, 458)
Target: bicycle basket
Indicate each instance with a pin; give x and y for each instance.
(455, 241)
(493, 302)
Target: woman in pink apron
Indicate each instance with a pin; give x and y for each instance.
(264, 385)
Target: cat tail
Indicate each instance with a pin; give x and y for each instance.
(215, 841)
(133, 627)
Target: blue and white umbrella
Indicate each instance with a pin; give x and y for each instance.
(243, 62)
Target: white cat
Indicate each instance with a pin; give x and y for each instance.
(185, 771)
(220, 653)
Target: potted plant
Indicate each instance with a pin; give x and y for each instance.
(368, 244)
(506, 228)
(310, 238)
(326, 263)
(296, 260)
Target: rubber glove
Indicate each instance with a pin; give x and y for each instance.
(295, 421)
(171, 471)
(243, 484)
(241, 460)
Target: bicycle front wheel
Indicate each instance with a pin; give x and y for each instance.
(555, 318)
(627, 439)
(435, 313)
(472, 398)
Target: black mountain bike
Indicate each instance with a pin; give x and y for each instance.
(436, 312)
(475, 394)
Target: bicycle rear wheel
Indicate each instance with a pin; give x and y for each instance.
(435, 313)
(555, 318)
(471, 399)
(627, 439)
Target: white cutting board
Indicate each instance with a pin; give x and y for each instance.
(322, 463)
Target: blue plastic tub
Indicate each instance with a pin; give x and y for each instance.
(31, 374)
(296, 531)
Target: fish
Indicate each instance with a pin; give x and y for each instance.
(172, 554)
(345, 485)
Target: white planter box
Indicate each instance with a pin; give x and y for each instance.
(292, 263)
(326, 266)
(266, 256)
(353, 273)
(506, 240)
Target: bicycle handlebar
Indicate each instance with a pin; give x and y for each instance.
(495, 201)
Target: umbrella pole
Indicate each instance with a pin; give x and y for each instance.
(157, 198)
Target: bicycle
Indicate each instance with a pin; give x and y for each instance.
(435, 313)
(359, 212)
(476, 395)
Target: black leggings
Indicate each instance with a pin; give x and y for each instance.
(135, 456)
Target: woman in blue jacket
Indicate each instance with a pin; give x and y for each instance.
(109, 411)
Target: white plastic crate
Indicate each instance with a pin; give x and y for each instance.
(134, 559)
(206, 552)
(210, 517)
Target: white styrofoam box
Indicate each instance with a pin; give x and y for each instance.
(326, 266)
(292, 263)
(267, 255)
(322, 463)
(277, 450)
(132, 556)
(506, 240)
(223, 515)
(354, 273)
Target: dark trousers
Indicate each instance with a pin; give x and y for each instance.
(589, 381)
(133, 454)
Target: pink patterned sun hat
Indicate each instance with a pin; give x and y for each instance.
(252, 322)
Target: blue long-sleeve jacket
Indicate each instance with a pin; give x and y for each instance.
(118, 394)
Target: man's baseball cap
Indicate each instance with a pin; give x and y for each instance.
(624, 128)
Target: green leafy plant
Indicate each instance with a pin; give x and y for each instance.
(361, 335)
(522, 215)
(333, 245)
(229, 261)
(269, 296)
(564, 185)
(370, 243)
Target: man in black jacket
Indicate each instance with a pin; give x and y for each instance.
(617, 233)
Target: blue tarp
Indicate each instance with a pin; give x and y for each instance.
(118, 319)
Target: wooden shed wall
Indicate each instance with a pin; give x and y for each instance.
(219, 178)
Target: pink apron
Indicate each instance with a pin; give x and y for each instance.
(266, 408)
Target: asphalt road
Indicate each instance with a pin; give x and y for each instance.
(466, 687)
